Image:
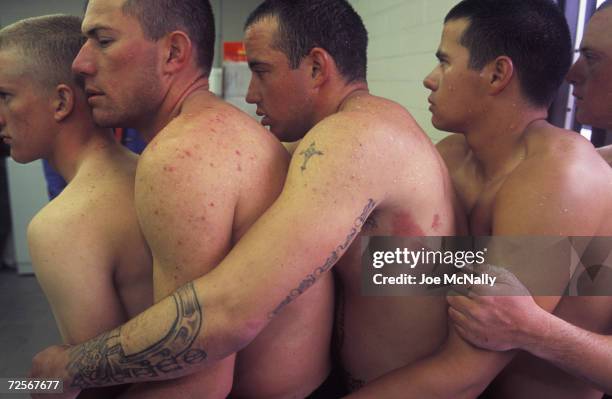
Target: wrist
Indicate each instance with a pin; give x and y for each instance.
(535, 331)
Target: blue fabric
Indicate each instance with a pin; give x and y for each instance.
(55, 183)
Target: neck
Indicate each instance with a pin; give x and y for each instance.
(336, 97)
(171, 106)
(76, 142)
(498, 144)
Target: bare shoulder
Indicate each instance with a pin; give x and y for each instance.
(66, 226)
(557, 187)
(562, 154)
(383, 126)
(453, 149)
(210, 133)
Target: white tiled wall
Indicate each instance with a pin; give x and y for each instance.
(404, 36)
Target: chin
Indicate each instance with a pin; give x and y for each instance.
(102, 119)
(22, 159)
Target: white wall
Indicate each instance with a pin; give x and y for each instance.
(404, 36)
(14, 10)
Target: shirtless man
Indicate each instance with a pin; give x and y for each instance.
(508, 322)
(361, 158)
(85, 234)
(515, 173)
(208, 172)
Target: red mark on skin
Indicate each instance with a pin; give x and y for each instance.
(187, 152)
(435, 225)
(169, 168)
(239, 168)
(237, 152)
(212, 204)
(403, 224)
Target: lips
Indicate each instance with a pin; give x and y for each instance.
(265, 120)
(91, 92)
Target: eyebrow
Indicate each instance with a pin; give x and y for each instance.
(94, 30)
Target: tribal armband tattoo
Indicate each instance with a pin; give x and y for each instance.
(103, 361)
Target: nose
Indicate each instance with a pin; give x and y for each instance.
(431, 81)
(253, 96)
(83, 63)
(575, 74)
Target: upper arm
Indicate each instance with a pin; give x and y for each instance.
(75, 270)
(547, 198)
(186, 207)
(335, 179)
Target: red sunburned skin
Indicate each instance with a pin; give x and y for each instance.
(403, 224)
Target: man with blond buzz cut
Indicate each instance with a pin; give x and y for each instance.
(501, 322)
(207, 174)
(86, 246)
(362, 165)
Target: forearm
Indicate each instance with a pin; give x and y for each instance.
(579, 352)
(457, 371)
(164, 342)
(420, 382)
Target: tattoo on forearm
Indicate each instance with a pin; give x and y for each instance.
(309, 153)
(103, 361)
(312, 278)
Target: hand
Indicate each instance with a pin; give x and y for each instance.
(499, 317)
(51, 364)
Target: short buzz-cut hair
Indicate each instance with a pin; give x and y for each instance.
(330, 24)
(533, 33)
(195, 17)
(48, 45)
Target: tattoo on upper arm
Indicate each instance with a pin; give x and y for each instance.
(309, 153)
(312, 278)
(103, 361)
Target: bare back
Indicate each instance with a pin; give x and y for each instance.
(378, 334)
(562, 183)
(202, 182)
(88, 252)
(90, 232)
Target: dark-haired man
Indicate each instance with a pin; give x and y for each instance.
(508, 322)
(84, 235)
(501, 62)
(362, 163)
(208, 172)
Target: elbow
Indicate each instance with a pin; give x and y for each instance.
(228, 328)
